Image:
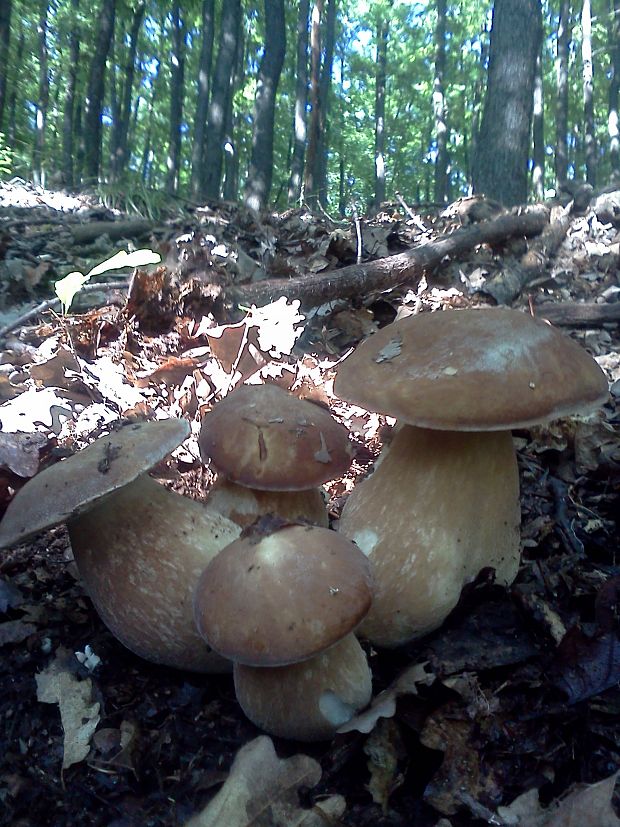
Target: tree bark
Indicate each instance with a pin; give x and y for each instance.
(325, 84)
(366, 280)
(561, 109)
(315, 102)
(301, 102)
(121, 126)
(68, 118)
(216, 119)
(589, 135)
(613, 125)
(258, 185)
(204, 87)
(38, 161)
(235, 121)
(383, 28)
(177, 74)
(5, 41)
(95, 91)
(501, 163)
(439, 107)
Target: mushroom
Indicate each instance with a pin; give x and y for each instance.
(266, 441)
(443, 501)
(139, 547)
(301, 591)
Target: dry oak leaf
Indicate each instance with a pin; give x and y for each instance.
(261, 790)
(583, 806)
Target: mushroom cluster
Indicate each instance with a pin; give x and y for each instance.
(443, 500)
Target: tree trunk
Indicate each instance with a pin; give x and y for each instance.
(320, 175)
(202, 100)
(147, 150)
(216, 120)
(5, 42)
(68, 118)
(614, 89)
(501, 163)
(38, 162)
(383, 28)
(177, 72)
(538, 133)
(301, 102)
(315, 102)
(561, 109)
(439, 107)
(234, 123)
(95, 91)
(589, 135)
(121, 125)
(260, 174)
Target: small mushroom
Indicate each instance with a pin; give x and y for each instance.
(301, 591)
(264, 439)
(443, 501)
(139, 548)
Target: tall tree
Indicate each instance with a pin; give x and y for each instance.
(502, 151)
(120, 132)
(589, 136)
(234, 123)
(325, 84)
(561, 107)
(258, 184)
(613, 125)
(301, 103)
(538, 132)
(439, 106)
(38, 161)
(177, 75)
(68, 118)
(383, 28)
(6, 8)
(216, 120)
(314, 128)
(204, 86)
(91, 134)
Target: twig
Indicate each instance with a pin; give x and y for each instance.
(54, 304)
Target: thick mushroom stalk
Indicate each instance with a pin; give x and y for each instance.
(140, 553)
(246, 505)
(307, 701)
(440, 506)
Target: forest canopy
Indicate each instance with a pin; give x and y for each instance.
(338, 103)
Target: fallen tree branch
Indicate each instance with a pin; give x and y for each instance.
(363, 280)
(578, 313)
(508, 285)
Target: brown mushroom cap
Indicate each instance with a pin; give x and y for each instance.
(70, 487)
(472, 370)
(261, 436)
(140, 552)
(282, 598)
(307, 701)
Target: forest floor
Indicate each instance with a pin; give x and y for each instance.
(509, 714)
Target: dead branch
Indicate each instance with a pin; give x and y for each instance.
(508, 285)
(575, 314)
(364, 280)
(132, 228)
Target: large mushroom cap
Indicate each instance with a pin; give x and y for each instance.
(282, 598)
(262, 437)
(472, 370)
(68, 488)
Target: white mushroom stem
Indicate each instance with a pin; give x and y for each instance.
(307, 701)
(440, 506)
(140, 552)
(245, 505)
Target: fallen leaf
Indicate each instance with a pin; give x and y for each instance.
(583, 806)
(78, 714)
(261, 791)
(20, 453)
(384, 748)
(14, 631)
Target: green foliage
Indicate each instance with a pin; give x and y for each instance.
(6, 158)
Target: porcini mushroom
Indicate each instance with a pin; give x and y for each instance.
(139, 547)
(443, 501)
(300, 590)
(263, 439)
